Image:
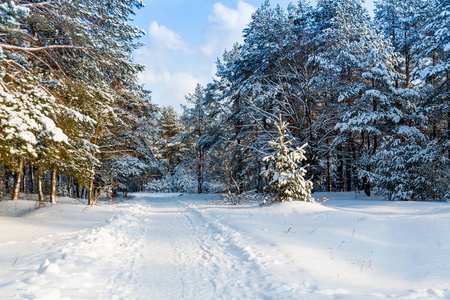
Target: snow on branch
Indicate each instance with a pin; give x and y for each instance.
(41, 49)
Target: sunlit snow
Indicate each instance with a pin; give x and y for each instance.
(165, 246)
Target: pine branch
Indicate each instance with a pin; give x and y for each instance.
(30, 4)
(41, 49)
(19, 32)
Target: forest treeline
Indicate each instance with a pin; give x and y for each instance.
(369, 97)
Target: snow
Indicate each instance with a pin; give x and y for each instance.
(56, 133)
(166, 246)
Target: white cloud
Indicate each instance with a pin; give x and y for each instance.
(152, 77)
(225, 27)
(162, 37)
(176, 87)
(167, 88)
(155, 62)
(165, 74)
(229, 19)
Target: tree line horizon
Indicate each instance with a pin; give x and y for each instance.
(369, 98)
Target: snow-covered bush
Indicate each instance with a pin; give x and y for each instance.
(214, 187)
(250, 196)
(163, 185)
(184, 180)
(285, 178)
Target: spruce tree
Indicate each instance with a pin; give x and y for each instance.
(285, 178)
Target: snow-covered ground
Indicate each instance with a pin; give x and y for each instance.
(197, 247)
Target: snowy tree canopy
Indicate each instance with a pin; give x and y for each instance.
(67, 78)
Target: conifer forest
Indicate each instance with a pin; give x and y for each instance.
(321, 96)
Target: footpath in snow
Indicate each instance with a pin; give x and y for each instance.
(160, 246)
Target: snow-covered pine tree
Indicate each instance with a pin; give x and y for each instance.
(129, 145)
(196, 121)
(344, 46)
(406, 167)
(285, 178)
(402, 21)
(435, 55)
(349, 90)
(266, 43)
(231, 134)
(366, 63)
(251, 94)
(298, 74)
(79, 53)
(24, 122)
(171, 148)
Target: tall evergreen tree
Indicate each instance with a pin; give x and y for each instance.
(170, 129)
(406, 167)
(77, 54)
(195, 119)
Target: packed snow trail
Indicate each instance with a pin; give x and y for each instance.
(183, 254)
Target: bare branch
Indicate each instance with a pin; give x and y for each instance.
(12, 62)
(56, 63)
(117, 151)
(117, 145)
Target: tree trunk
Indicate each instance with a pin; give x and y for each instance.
(91, 200)
(2, 174)
(31, 172)
(7, 185)
(340, 169)
(17, 180)
(53, 187)
(407, 65)
(348, 175)
(366, 182)
(328, 172)
(77, 189)
(349, 161)
(200, 171)
(91, 192)
(40, 190)
(24, 179)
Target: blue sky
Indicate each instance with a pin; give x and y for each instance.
(184, 39)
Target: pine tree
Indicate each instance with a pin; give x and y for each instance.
(230, 135)
(408, 165)
(129, 146)
(360, 65)
(435, 54)
(172, 148)
(285, 179)
(369, 101)
(75, 56)
(195, 119)
(250, 95)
